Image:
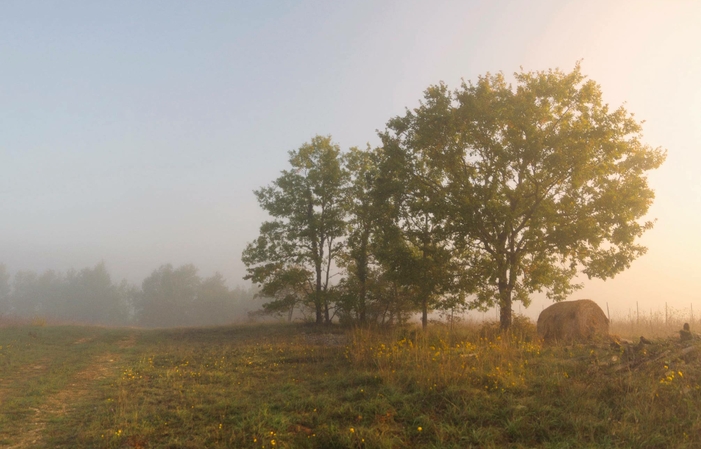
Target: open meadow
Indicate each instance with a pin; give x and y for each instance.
(290, 386)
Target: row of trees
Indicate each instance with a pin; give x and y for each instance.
(168, 297)
(479, 197)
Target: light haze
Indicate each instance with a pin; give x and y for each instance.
(135, 132)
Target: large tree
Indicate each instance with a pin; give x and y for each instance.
(537, 182)
(308, 224)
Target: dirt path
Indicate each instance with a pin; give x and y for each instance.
(62, 402)
(26, 372)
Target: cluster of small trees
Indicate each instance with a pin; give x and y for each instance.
(168, 297)
(173, 297)
(479, 197)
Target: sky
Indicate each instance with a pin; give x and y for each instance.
(135, 132)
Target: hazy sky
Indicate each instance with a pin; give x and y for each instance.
(135, 132)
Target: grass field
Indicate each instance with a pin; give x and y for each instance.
(288, 386)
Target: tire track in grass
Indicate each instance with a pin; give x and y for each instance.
(63, 402)
(14, 380)
(22, 376)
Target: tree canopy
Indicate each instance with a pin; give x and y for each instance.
(536, 182)
(293, 256)
(479, 197)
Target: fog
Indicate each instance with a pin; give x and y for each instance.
(169, 297)
(132, 134)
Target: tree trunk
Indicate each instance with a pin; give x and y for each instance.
(506, 280)
(361, 303)
(361, 261)
(504, 309)
(317, 259)
(317, 300)
(424, 314)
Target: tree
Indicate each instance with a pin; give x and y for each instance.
(169, 296)
(304, 236)
(52, 294)
(87, 296)
(214, 303)
(4, 290)
(536, 182)
(393, 302)
(289, 287)
(25, 300)
(363, 219)
(176, 297)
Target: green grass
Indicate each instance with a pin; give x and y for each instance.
(264, 386)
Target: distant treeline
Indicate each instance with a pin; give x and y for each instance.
(168, 297)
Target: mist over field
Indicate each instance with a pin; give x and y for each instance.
(169, 297)
(313, 224)
(135, 134)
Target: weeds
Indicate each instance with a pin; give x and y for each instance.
(654, 324)
(278, 386)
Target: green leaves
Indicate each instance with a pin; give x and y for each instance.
(490, 192)
(293, 255)
(532, 181)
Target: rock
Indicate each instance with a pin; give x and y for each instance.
(573, 321)
(644, 341)
(685, 335)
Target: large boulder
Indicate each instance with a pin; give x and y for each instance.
(573, 321)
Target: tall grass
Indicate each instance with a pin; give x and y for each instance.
(471, 355)
(275, 386)
(653, 324)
